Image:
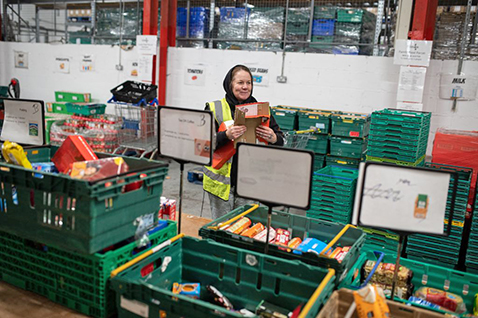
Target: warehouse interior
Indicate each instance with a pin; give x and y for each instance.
(376, 104)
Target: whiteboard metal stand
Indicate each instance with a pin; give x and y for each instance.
(289, 156)
(194, 127)
(403, 233)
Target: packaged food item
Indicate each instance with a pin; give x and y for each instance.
(441, 298)
(268, 310)
(282, 237)
(384, 273)
(294, 243)
(402, 292)
(475, 305)
(167, 209)
(424, 302)
(74, 148)
(310, 245)
(239, 226)
(338, 253)
(219, 298)
(253, 230)
(98, 169)
(13, 153)
(370, 302)
(188, 289)
(262, 235)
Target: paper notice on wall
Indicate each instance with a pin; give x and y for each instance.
(62, 65)
(195, 75)
(87, 63)
(411, 52)
(146, 44)
(410, 106)
(132, 67)
(21, 59)
(460, 87)
(411, 84)
(145, 68)
(260, 75)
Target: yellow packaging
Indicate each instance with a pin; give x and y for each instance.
(370, 302)
(13, 153)
(239, 226)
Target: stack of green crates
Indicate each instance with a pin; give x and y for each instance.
(471, 261)
(285, 116)
(75, 280)
(398, 136)
(333, 193)
(444, 251)
(297, 28)
(354, 26)
(349, 138)
(380, 240)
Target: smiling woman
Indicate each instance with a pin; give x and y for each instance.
(218, 181)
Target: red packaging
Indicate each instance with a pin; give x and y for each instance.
(167, 209)
(282, 237)
(74, 148)
(98, 169)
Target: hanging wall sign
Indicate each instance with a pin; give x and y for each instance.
(412, 52)
(460, 87)
(24, 121)
(185, 134)
(274, 175)
(403, 199)
(62, 65)
(195, 75)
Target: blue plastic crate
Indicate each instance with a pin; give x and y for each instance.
(231, 15)
(323, 27)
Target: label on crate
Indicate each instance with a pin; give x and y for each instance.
(455, 223)
(320, 125)
(135, 307)
(354, 134)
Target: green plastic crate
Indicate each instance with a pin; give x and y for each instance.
(396, 134)
(394, 154)
(342, 161)
(324, 12)
(78, 281)
(403, 115)
(336, 175)
(350, 125)
(72, 97)
(86, 110)
(314, 120)
(348, 147)
(4, 91)
(349, 15)
(58, 108)
(417, 163)
(299, 226)
(318, 143)
(372, 139)
(329, 217)
(424, 274)
(318, 162)
(47, 206)
(285, 118)
(246, 278)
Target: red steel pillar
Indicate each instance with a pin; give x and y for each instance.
(167, 38)
(424, 18)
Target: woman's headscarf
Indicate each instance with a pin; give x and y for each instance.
(230, 98)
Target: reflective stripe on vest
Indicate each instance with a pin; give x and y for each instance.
(217, 176)
(217, 181)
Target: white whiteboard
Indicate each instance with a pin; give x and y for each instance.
(185, 134)
(403, 198)
(280, 176)
(24, 121)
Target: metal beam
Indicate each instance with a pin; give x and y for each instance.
(404, 16)
(150, 17)
(424, 18)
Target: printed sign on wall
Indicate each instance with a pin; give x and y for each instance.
(260, 75)
(87, 63)
(411, 52)
(21, 59)
(195, 75)
(460, 87)
(62, 65)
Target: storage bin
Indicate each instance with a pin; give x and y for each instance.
(246, 278)
(348, 147)
(77, 281)
(299, 226)
(350, 125)
(75, 214)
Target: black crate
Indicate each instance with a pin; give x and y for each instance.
(134, 92)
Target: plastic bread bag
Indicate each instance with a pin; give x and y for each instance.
(441, 298)
(385, 271)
